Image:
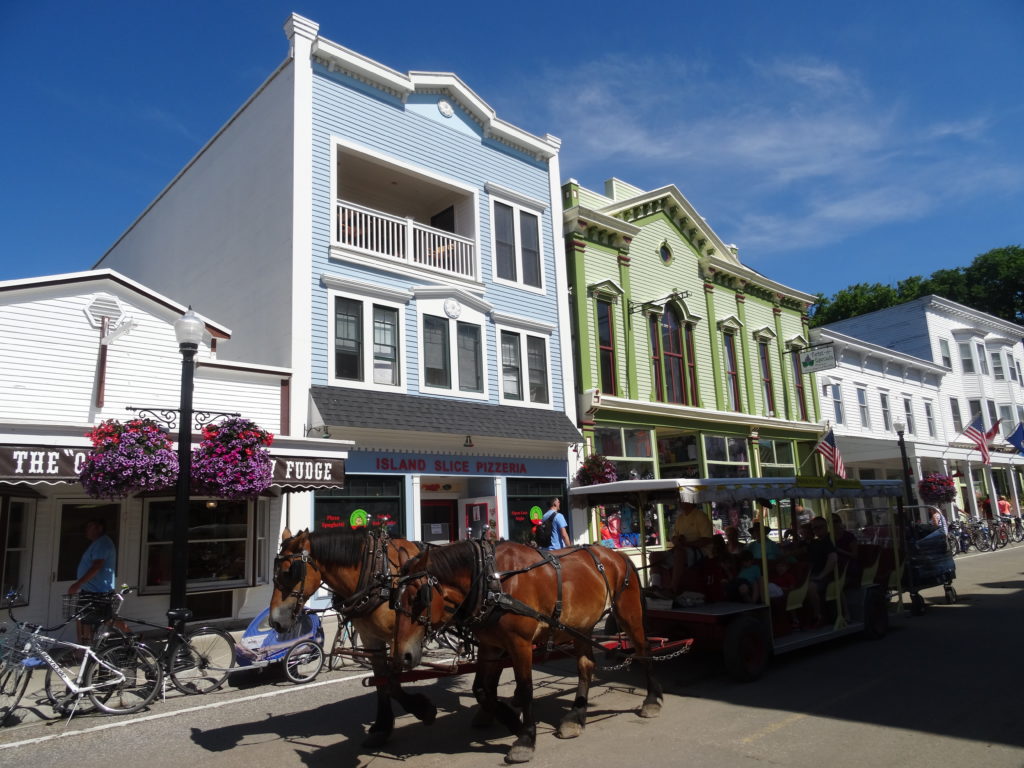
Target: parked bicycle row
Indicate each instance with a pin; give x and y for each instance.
(116, 670)
(984, 535)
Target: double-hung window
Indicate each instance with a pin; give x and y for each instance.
(767, 387)
(908, 412)
(17, 522)
(982, 358)
(517, 248)
(837, 403)
(798, 382)
(732, 372)
(883, 403)
(654, 339)
(947, 357)
(677, 348)
(966, 357)
(606, 346)
(929, 417)
(367, 342)
(862, 404)
(958, 420)
(452, 348)
(525, 376)
(997, 366)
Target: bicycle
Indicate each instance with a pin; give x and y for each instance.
(117, 679)
(198, 662)
(1017, 530)
(1000, 533)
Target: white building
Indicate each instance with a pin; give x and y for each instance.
(81, 348)
(982, 358)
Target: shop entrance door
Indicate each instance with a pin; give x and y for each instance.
(438, 521)
(71, 543)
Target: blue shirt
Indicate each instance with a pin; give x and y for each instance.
(558, 525)
(101, 548)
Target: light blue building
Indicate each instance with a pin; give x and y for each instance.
(392, 242)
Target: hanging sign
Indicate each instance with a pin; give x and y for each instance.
(816, 358)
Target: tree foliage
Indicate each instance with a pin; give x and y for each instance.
(992, 283)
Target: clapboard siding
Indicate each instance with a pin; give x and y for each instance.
(350, 111)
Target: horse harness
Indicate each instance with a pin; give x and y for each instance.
(486, 599)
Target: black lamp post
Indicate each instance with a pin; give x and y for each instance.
(900, 427)
(189, 330)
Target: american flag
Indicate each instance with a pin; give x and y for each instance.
(827, 448)
(975, 432)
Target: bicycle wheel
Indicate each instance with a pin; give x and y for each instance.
(953, 544)
(1017, 532)
(345, 639)
(981, 541)
(201, 665)
(303, 661)
(58, 694)
(13, 682)
(1001, 537)
(123, 679)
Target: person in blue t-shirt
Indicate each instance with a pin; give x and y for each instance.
(559, 528)
(95, 574)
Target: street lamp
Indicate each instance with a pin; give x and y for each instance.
(900, 428)
(189, 330)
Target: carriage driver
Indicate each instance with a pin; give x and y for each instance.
(690, 544)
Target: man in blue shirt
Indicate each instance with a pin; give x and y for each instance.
(559, 528)
(95, 574)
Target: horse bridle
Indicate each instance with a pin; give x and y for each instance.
(299, 561)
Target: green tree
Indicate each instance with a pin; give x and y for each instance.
(993, 283)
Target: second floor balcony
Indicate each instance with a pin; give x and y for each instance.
(405, 240)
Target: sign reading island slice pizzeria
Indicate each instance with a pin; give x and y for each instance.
(59, 464)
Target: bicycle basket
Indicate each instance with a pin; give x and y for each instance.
(19, 643)
(88, 607)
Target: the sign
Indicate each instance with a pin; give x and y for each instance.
(359, 462)
(41, 463)
(817, 358)
(303, 472)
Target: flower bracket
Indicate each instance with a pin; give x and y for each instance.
(169, 416)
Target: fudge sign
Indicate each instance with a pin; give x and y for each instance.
(301, 471)
(25, 463)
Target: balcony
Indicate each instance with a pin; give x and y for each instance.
(403, 240)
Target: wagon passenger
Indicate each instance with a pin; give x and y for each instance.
(822, 555)
(691, 543)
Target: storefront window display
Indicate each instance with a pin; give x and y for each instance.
(618, 526)
(221, 544)
(373, 501)
(528, 500)
(677, 455)
(16, 525)
(629, 448)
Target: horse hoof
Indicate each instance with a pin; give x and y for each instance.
(376, 739)
(519, 754)
(482, 719)
(652, 709)
(568, 730)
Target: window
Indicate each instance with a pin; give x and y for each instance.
(982, 358)
(837, 402)
(470, 357)
(966, 360)
(974, 406)
(947, 358)
(354, 321)
(1020, 374)
(929, 418)
(908, 412)
(1006, 423)
(767, 388)
(654, 339)
(631, 449)
(1012, 368)
(997, 366)
(954, 409)
(862, 403)
(221, 544)
(665, 252)
(726, 456)
(677, 350)
(376, 499)
(991, 412)
(883, 402)
(798, 380)
(16, 526)
(732, 374)
(436, 352)
(606, 346)
(517, 255)
(524, 380)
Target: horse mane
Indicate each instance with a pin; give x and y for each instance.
(449, 562)
(341, 546)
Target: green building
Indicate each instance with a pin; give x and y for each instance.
(684, 355)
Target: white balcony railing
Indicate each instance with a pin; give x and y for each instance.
(381, 234)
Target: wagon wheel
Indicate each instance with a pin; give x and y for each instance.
(746, 650)
(950, 594)
(917, 604)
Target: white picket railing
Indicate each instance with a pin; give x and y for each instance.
(381, 234)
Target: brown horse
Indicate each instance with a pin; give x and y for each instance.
(513, 597)
(359, 568)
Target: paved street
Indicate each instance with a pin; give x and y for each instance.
(898, 701)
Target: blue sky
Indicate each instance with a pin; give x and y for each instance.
(832, 142)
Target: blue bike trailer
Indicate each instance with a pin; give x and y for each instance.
(261, 644)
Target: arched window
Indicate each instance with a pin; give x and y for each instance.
(677, 353)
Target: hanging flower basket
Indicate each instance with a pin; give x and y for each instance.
(232, 461)
(128, 458)
(937, 489)
(596, 469)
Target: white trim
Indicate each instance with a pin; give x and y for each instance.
(471, 315)
(496, 190)
(368, 302)
(429, 292)
(524, 369)
(517, 208)
(402, 268)
(419, 170)
(522, 323)
(372, 290)
(565, 340)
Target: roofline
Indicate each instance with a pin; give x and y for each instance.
(853, 341)
(95, 275)
(934, 300)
